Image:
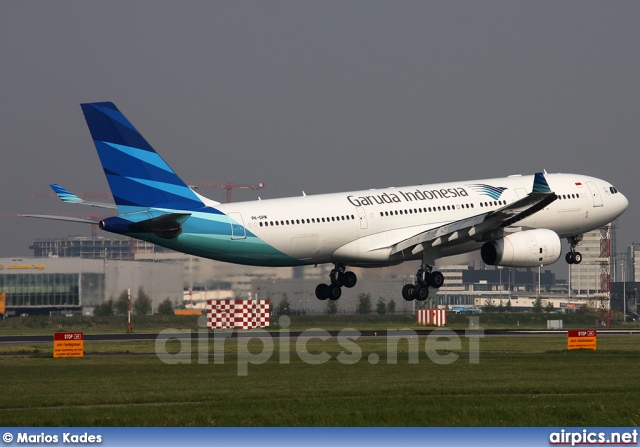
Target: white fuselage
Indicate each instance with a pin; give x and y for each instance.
(360, 227)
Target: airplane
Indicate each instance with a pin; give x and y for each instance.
(515, 221)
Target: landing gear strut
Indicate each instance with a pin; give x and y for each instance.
(339, 277)
(573, 256)
(425, 278)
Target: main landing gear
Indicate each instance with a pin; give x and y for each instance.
(425, 278)
(573, 256)
(339, 277)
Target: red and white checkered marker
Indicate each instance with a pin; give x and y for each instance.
(237, 314)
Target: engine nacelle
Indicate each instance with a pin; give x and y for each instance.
(530, 248)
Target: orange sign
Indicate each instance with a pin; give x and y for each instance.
(3, 300)
(581, 339)
(68, 344)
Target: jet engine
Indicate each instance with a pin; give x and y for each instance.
(529, 248)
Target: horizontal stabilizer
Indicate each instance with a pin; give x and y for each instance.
(64, 218)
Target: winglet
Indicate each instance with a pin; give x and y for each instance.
(540, 184)
(65, 196)
(69, 197)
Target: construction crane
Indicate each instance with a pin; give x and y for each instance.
(605, 273)
(228, 186)
(82, 195)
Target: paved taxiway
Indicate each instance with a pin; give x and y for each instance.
(383, 333)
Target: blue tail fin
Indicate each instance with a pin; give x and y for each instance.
(138, 177)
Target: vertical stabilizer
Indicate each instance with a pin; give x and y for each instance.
(138, 177)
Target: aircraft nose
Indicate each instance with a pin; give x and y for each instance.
(624, 202)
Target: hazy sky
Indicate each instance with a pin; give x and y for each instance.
(318, 96)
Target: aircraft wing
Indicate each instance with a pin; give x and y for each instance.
(68, 197)
(473, 228)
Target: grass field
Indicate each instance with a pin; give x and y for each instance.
(518, 381)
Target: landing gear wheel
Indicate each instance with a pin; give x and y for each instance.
(339, 278)
(425, 278)
(408, 292)
(422, 292)
(573, 257)
(322, 291)
(435, 279)
(349, 279)
(334, 292)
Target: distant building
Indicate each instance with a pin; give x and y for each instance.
(467, 280)
(585, 277)
(598, 253)
(202, 274)
(632, 264)
(626, 294)
(42, 285)
(464, 285)
(90, 248)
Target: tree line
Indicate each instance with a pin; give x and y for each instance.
(140, 305)
(363, 307)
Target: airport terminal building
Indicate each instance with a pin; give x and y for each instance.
(37, 286)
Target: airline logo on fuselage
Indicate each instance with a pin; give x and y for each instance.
(487, 190)
(413, 196)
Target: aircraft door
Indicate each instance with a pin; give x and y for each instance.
(595, 194)
(238, 231)
(363, 217)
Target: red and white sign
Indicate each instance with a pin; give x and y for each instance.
(237, 314)
(437, 317)
(68, 344)
(582, 339)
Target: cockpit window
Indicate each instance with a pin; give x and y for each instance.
(613, 190)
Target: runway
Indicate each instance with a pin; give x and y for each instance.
(310, 333)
